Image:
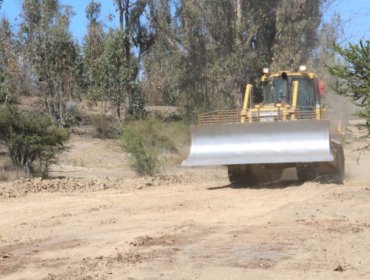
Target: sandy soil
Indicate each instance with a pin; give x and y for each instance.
(187, 225)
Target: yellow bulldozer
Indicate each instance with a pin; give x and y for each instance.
(289, 128)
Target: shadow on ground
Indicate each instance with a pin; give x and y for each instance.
(275, 185)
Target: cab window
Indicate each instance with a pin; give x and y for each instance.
(306, 93)
(280, 90)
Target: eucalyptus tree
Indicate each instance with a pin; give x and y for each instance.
(93, 48)
(297, 22)
(116, 76)
(222, 45)
(54, 56)
(8, 62)
(240, 46)
(135, 39)
(161, 63)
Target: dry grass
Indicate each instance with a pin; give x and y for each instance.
(9, 172)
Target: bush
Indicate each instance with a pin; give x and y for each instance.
(146, 140)
(31, 139)
(105, 127)
(136, 110)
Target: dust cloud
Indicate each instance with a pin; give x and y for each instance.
(342, 114)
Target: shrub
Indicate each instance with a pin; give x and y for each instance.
(105, 127)
(146, 140)
(31, 139)
(136, 110)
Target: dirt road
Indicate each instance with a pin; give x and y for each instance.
(206, 230)
(191, 225)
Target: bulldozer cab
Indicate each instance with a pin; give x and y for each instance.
(279, 89)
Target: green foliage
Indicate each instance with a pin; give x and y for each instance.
(111, 68)
(31, 138)
(8, 64)
(93, 10)
(136, 108)
(146, 140)
(354, 76)
(207, 51)
(115, 76)
(297, 22)
(162, 61)
(197, 55)
(93, 48)
(106, 127)
(53, 54)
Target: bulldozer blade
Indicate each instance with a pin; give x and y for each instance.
(297, 141)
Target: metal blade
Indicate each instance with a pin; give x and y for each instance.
(260, 143)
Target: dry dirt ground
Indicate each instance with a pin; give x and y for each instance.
(96, 220)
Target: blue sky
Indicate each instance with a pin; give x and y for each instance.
(354, 13)
(11, 9)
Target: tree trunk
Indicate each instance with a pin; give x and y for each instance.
(124, 22)
(127, 33)
(120, 12)
(238, 23)
(128, 96)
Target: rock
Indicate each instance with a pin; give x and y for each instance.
(339, 268)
